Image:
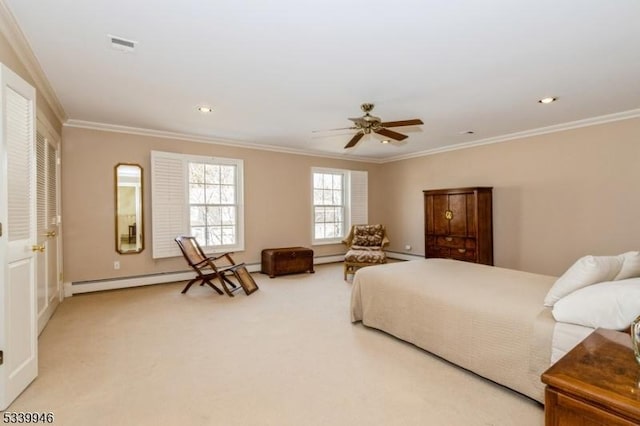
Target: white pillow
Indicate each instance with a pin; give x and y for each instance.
(613, 305)
(630, 265)
(586, 271)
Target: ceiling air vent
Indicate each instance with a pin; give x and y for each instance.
(122, 44)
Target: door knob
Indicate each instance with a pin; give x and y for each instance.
(38, 248)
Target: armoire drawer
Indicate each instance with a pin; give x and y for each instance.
(436, 251)
(455, 242)
(463, 254)
(451, 253)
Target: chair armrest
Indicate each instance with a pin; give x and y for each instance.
(201, 263)
(231, 267)
(227, 255)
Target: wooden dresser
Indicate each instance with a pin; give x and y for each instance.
(458, 224)
(596, 383)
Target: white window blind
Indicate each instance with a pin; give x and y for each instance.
(359, 198)
(168, 215)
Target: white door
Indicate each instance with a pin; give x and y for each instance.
(47, 235)
(18, 318)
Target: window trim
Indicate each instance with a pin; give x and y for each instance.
(346, 196)
(239, 164)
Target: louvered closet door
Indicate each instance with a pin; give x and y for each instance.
(48, 289)
(18, 318)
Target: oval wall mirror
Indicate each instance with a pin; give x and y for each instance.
(129, 225)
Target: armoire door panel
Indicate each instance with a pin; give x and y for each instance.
(440, 222)
(458, 208)
(471, 215)
(428, 215)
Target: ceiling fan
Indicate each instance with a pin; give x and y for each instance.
(369, 123)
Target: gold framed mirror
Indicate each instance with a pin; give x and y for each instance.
(128, 214)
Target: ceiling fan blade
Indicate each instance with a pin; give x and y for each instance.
(354, 140)
(391, 134)
(414, 122)
(331, 130)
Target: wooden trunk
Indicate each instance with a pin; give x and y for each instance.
(288, 260)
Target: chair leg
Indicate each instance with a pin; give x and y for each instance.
(212, 285)
(231, 283)
(189, 285)
(224, 280)
(204, 281)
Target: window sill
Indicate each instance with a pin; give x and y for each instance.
(219, 250)
(326, 242)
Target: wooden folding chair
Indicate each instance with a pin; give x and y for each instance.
(206, 267)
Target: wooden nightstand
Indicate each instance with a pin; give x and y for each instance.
(596, 383)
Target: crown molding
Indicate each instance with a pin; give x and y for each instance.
(92, 125)
(11, 30)
(625, 115)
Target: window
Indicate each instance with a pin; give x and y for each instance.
(328, 205)
(199, 196)
(339, 200)
(212, 203)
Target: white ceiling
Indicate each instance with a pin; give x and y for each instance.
(276, 71)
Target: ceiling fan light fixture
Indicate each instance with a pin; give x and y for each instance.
(548, 100)
(368, 124)
(205, 109)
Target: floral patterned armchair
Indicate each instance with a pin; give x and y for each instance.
(365, 243)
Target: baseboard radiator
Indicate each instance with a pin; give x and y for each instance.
(168, 277)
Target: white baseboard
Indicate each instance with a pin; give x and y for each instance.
(168, 277)
(328, 259)
(117, 283)
(403, 256)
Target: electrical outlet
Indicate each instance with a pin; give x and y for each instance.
(407, 247)
(116, 265)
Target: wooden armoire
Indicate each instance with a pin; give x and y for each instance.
(458, 224)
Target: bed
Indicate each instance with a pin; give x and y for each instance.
(486, 319)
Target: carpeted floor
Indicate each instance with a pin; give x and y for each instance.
(286, 355)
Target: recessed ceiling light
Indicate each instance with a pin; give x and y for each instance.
(205, 109)
(385, 141)
(548, 100)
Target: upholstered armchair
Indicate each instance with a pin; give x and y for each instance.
(365, 243)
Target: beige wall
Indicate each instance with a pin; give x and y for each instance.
(556, 197)
(9, 58)
(277, 200)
